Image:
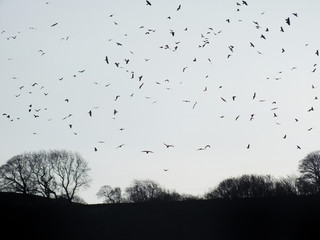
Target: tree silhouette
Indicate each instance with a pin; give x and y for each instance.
(286, 186)
(110, 195)
(246, 186)
(309, 167)
(71, 171)
(58, 173)
(44, 174)
(148, 190)
(17, 175)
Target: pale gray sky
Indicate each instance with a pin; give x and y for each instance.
(31, 51)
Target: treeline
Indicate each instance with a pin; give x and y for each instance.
(61, 174)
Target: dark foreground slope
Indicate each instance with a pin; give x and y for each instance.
(274, 218)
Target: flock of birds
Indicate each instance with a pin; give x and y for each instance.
(113, 63)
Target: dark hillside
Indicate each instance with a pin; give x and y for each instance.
(273, 218)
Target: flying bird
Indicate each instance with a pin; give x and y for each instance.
(288, 21)
(147, 151)
(148, 3)
(54, 24)
(254, 95)
(194, 105)
(179, 7)
(107, 60)
(168, 145)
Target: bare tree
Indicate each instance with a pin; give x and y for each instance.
(309, 168)
(144, 191)
(57, 173)
(71, 171)
(246, 186)
(287, 186)
(228, 188)
(44, 174)
(110, 195)
(17, 175)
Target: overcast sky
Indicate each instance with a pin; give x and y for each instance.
(211, 73)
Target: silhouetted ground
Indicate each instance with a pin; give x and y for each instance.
(271, 218)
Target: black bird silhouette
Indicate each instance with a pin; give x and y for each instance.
(166, 170)
(288, 21)
(254, 95)
(311, 109)
(202, 149)
(54, 24)
(317, 52)
(194, 105)
(147, 151)
(248, 146)
(262, 36)
(168, 145)
(298, 147)
(120, 146)
(107, 60)
(179, 7)
(295, 14)
(95, 149)
(245, 3)
(90, 113)
(281, 29)
(148, 3)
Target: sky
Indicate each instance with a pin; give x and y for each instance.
(234, 76)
